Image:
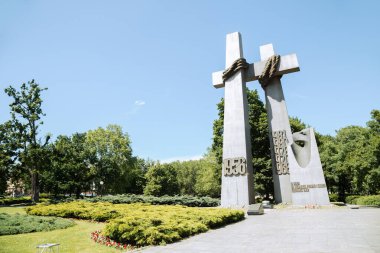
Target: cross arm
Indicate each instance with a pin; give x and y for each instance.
(288, 64)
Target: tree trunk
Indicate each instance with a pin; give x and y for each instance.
(35, 187)
(77, 193)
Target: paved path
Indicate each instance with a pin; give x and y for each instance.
(291, 230)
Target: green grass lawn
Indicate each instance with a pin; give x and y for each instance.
(73, 239)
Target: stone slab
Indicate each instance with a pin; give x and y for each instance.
(255, 209)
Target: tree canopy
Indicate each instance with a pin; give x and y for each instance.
(101, 161)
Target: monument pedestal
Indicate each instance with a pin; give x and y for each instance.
(306, 174)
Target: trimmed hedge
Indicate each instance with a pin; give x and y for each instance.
(184, 200)
(16, 200)
(21, 223)
(372, 200)
(144, 224)
(19, 200)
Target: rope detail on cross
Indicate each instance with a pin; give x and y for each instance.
(270, 69)
(240, 63)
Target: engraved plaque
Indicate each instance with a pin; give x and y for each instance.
(280, 152)
(297, 187)
(234, 166)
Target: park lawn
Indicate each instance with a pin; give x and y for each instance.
(73, 239)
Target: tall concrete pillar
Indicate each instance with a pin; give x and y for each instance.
(280, 134)
(237, 174)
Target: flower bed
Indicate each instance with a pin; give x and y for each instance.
(97, 237)
(143, 224)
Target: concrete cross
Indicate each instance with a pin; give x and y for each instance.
(237, 175)
(280, 134)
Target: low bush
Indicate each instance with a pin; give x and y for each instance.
(77, 209)
(351, 199)
(15, 200)
(18, 200)
(11, 224)
(333, 197)
(372, 200)
(144, 224)
(184, 200)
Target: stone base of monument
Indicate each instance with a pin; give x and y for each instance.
(255, 209)
(267, 205)
(308, 183)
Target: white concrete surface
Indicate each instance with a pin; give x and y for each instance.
(288, 231)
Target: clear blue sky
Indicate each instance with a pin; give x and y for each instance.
(146, 65)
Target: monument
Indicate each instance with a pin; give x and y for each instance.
(297, 171)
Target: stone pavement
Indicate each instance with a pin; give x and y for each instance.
(290, 230)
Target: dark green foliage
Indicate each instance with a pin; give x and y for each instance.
(199, 177)
(163, 200)
(333, 197)
(351, 160)
(11, 224)
(30, 154)
(81, 161)
(161, 179)
(69, 171)
(19, 200)
(7, 154)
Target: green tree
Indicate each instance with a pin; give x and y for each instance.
(208, 178)
(70, 170)
(372, 179)
(187, 173)
(351, 159)
(6, 156)
(114, 163)
(328, 151)
(161, 179)
(26, 113)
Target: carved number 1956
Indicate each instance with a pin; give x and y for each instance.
(234, 166)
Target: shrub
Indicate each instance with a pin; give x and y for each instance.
(372, 200)
(18, 200)
(15, 200)
(184, 200)
(77, 209)
(351, 199)
(333, 197)
(20, 223)
(144, 224)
